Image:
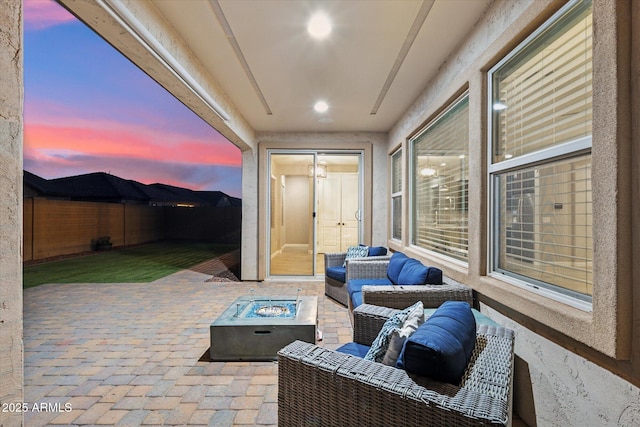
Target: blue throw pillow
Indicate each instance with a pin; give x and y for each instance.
(443, 345)
(377, 251)
(412, 273)
(434, 276)
(395, 266)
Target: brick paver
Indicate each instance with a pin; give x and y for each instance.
(128, 354)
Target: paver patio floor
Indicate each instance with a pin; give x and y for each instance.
(128, 354)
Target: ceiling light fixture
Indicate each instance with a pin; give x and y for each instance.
(321, 107)
(428, 171)
(499, 106)
(319, 25)
(320, 171)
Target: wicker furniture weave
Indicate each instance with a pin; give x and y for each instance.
(332, 287)
(335, 289)
(400, 297)
(318, 386)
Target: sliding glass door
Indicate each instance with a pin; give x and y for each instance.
(315, 204)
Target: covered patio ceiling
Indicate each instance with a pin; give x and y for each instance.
(377, 59)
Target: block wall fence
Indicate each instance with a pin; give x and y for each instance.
(60, 227)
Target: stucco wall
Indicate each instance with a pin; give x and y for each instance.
(249, 250)
(555, 387)
(575, 367)
(11, 99)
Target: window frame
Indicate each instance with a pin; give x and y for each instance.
(545, 156)
(397, 194)
(450, 105)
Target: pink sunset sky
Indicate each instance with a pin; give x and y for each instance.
(89, 109)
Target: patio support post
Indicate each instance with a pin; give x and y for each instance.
(11, 99)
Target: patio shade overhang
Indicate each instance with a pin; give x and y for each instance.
(249, 67)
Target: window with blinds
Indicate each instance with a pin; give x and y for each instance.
(541, 109)
(396, 195)
(542, 96)
(439, 172)
(545, 224)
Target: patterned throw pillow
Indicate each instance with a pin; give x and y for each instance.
(381, 343)
(356, 252)
(399, 336)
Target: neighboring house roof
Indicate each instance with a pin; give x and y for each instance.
(40, 185)
(104, 187)
(99, 186)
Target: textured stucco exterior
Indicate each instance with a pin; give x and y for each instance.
(556, 387)
(11, 99)
(575, 367)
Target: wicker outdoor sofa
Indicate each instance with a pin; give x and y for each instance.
(401, 296)
(318, 386)
(336, 288)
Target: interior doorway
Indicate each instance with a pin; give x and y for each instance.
(315, 206)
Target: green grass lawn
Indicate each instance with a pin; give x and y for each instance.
(138, 264)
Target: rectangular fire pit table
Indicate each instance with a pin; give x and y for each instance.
(256, 327)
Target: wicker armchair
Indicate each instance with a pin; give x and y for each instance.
(318, 386)
(336, 289)
(400, 297)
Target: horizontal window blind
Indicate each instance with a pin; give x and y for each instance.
(546, 224)
(541, 207)
(543, 97)
(396, 172)
(396, 196)
(397, 217)
(440, 176)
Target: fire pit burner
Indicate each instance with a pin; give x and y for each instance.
(272, 311)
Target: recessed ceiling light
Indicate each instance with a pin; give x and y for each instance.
(321, 106)
(319, 25)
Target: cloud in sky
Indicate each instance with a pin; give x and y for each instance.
(88, 109)
(41, 14)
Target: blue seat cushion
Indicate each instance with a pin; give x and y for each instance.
(355, 285)
(396, 262)
(354, 349)
(356, 299)
(442, 346)
(415, 273)
(377, 251)
(337, 273)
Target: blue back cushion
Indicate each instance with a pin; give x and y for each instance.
(412, 273)
(397, 261)
(442, 346)
(377, 251)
